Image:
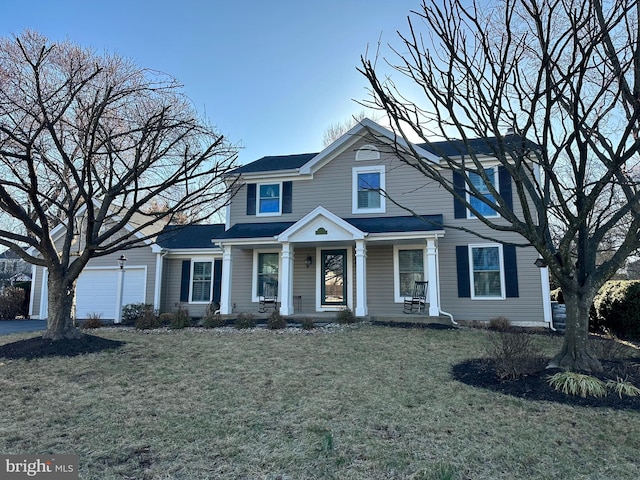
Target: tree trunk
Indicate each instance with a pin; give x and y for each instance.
(60, 323)
(576, 353)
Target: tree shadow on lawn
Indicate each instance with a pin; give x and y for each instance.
(39, 347)
(481, 373)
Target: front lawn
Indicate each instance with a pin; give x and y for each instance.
(354, 403)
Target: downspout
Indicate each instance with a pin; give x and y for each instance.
(440, 311)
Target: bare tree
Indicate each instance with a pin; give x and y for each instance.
(566, 74)
(88, 145)
(336, 130)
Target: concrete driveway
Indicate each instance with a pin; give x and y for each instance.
(18, 326)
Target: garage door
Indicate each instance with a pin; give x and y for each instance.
(97, 290)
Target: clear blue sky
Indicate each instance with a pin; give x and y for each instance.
(271, 75)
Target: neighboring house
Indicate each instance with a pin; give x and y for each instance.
(316, 226)
(13, 268)
(316, 230)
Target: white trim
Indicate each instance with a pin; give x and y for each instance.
(367, 153)
(285, 277)
(546, 295)
(470, 248)
(396, 267)
(349, 266)
(254, 274)
(193, 262)
(333, 219)
(158, 281)
(32, 292)
(496, 179)
(44, 294)
(362, 308)
(355, 171)
(226, 306)
(268, 214)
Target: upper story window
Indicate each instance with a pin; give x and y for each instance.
(478, 182)
(269, 199)
(368, 188)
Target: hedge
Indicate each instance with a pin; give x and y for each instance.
(617, 308)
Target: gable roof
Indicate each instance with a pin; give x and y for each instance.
(433, 151)
(189, 236)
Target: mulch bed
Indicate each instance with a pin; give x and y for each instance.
(480, 373)
(39, 347)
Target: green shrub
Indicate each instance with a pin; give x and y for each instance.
(212, 320)
(181, 319)
(133, 311)
(345, 316)
(617, 308)
(308, 323)
(500, 324)
(93, 320)
(573, 383)
(148, 319)
(275, 321)
(245, 320)
(557, 296)
(514, 355)
(11, 302)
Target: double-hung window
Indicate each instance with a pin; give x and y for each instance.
(483, 206)
(266, 268)
(368, 188)
(409, 265)
(487, 271)
(201, 281)
(269, 195)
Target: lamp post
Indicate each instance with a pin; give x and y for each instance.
(122, 261)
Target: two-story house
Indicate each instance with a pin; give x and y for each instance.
(329, 230)
(337, 229)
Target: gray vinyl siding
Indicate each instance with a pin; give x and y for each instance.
(331, 187)
(171, 285)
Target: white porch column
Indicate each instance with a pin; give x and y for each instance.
(361, 279)
(286, 280)
(226, 306)
(158, 283)
(432, 271)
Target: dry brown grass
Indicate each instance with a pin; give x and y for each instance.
(355, 403)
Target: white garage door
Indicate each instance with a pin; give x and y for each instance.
(97, 290)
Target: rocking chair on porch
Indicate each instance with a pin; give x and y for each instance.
(418, 300)
(269, 297)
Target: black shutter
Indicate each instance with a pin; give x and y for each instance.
(462, 267)
(251, 198)
(287, 197)
(505, 186)
(217, 280)
(510, 271)
(184, 280)
(459, 210)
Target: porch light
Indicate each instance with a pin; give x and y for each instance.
(540, 263)
(122, 261)
(308, 261)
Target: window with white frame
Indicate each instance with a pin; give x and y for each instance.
(487, 271)
(201, 281)
(478, 182)
(368, 188)
(269, 199)
(266, 269)
(409, 267)
(367, 152)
